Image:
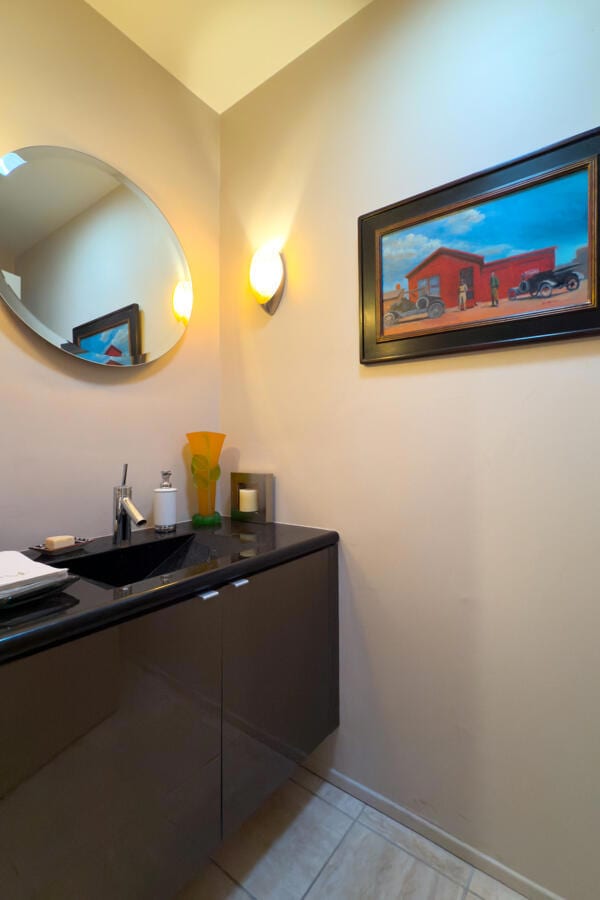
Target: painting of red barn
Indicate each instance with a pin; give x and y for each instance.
(518, 252)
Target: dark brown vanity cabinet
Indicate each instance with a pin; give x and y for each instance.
(280, 676)
(110, 760)
(126, 755)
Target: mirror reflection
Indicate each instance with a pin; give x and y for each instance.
(87, 260)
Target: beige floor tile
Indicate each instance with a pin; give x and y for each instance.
(212, 884)
(328, 792)
(278, 853)
(486, 888)
(367, 867)
(419, 846)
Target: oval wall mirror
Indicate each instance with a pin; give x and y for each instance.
(87, 260)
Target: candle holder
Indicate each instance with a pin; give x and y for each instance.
(252, 497)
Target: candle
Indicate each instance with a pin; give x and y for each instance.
(248, 500)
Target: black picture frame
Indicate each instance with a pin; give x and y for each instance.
(542, 310)
(127, 317)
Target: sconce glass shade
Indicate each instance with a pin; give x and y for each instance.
(183, 300)
(266, 274)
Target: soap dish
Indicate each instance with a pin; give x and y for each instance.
(62, 551)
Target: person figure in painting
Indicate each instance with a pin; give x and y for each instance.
(494, 285)
(462, 294)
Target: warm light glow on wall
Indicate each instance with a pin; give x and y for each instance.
(183, 300)
(267, 275)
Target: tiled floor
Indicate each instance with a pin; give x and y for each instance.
(311, 840)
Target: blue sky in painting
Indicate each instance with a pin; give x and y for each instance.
(99, 343)
(551, 214)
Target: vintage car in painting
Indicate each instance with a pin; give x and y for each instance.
(425, 305)
(541, 284)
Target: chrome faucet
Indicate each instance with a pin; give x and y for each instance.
(124, 511)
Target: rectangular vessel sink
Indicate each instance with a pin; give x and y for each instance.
(126, 565)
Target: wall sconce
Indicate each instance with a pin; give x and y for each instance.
(183, 300)
(267, 276)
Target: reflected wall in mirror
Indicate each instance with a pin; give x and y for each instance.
(87, 260)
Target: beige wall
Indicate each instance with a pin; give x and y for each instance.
(68, 427)
(464, 488)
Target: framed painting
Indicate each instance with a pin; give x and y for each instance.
(508, 255)
(112, 339)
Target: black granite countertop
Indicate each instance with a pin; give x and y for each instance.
(202, 559)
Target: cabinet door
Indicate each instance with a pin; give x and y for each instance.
(280, 677)
(110, 759)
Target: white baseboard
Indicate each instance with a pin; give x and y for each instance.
(428, 830)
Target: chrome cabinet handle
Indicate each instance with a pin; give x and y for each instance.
(239, 582)
(208, 595)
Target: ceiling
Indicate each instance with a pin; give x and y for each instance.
(223, 49)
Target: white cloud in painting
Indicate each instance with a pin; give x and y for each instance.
(121, 339)
(464, 221)
(499, 251)
(465, 247)
(408, 248)
(487, 251)
(118, 339)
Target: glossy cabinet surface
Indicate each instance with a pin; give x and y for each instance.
(110, 768)
(280, 677)
(127, 754)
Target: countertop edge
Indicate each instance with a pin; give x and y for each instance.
(48, 633)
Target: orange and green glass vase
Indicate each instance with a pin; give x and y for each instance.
(206, 449)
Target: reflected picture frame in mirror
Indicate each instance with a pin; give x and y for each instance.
(116, 335)
(87, 260)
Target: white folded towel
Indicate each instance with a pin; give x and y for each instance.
(19, 574)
